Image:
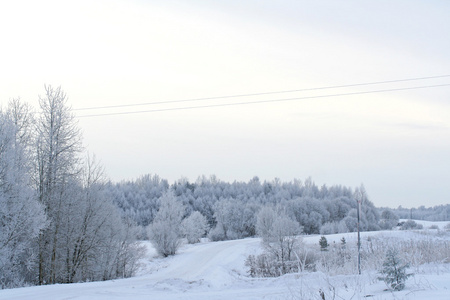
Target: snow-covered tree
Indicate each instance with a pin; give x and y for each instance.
(22, 217)
(280, 237)
(85, 227)
(235, 220)
(58, 143)
(138, 199)
(369, 215)
(333, 227)
(394, 270)
(231, 208)
(264, 222)
(309, 213)
(97, 232)
(195, 227)
(165, 231)
(323, 243)
(388, 219)
(117, 255)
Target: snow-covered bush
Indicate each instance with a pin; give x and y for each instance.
(393, 272)
(194, 227)
(165, 231)
(265, 265)
(410, 224)
(281, 245)
(118, 256)
(217, 234)
(388, 219)
(282, 240)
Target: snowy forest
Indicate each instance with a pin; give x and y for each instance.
(231, 208)
(63, 221)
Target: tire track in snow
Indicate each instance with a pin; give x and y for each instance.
(212, 262)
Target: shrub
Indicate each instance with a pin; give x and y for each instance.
(411, 224)
(165, 231)
(194, 227)
(266, 265)
(280, 242)
(217, 234)
(388, 219)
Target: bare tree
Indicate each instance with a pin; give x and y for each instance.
(58, 143)
(98, 245)
(280, 237)
(86, 239)
(88, 216)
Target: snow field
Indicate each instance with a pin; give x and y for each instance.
(216, 270)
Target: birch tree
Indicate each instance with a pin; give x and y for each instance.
(21, 216)
(58, 144)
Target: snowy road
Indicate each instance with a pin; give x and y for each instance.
(202, 270)
(208, 260)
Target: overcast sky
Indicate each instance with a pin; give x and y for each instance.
(115, 53)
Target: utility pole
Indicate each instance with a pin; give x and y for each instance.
(359, 195)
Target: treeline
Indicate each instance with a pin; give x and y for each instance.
(57, 222)
(231, 208)
(435, 213)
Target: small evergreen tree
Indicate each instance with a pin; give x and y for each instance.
(323, 244)
(394, 270)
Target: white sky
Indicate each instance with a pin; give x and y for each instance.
(106, 53)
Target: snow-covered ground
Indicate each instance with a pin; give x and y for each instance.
(216, 270)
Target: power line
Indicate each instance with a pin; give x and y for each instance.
(260, 94)
(266, 101)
